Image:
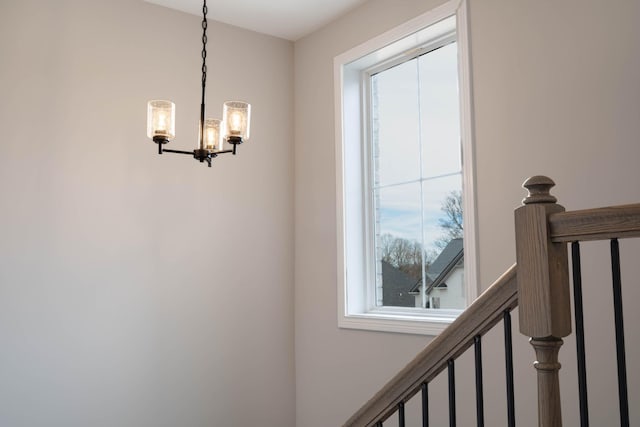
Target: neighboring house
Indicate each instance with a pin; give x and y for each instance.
(445, 279)
(396, 287)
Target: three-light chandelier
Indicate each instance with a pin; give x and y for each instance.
(232, 129)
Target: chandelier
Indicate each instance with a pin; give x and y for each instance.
(232, 129)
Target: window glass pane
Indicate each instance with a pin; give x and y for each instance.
(417, 183)
(439, 111)
(398, 244)
(396, 124)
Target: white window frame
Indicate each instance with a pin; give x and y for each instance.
(356, 307)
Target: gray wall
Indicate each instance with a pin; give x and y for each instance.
(556, 92)
(136, 289)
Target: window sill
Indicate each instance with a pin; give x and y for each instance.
(399, 321)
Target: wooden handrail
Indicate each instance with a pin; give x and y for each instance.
(478, 318)
(596, 224)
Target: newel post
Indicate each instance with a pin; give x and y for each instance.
(543, 292)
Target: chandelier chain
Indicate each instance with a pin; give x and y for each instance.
(204, 42)
(204, 70)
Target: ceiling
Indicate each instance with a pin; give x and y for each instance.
(288, 19)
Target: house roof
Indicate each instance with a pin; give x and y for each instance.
(397, 286)
(439, 270)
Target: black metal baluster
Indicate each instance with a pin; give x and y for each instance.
(508, 356)
(425, 405)
(582, 366)
(401, 414)
(452, 394)
(379, 424)
(620, 348)
(479, 395)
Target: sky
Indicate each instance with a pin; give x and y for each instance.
(417, 155)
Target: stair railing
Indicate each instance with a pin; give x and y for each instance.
(539, 284)
(543, 230)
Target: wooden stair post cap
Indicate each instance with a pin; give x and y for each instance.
(538, 187)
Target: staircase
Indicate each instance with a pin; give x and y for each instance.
(538, 284)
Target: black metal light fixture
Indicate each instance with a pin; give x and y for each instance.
(233, 129)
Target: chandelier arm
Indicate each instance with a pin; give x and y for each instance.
(165, 150)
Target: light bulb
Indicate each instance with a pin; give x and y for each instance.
(235, 123)
(162, 123)
(212, 134)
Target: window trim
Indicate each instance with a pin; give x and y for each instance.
(354, 241)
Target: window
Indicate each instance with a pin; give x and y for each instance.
(404, 169)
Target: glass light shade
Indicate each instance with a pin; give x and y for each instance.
(236, 116)
(212, 140)
(161, 119)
